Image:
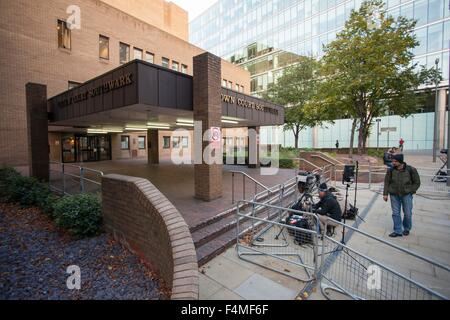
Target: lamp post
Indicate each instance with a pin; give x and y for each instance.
(378, 132)
(436, 112)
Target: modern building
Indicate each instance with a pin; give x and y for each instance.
(266, 36)
(40, 45)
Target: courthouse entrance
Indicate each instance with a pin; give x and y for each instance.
(85, 148)
(140, 96)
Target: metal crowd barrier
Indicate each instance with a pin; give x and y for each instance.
(345, 269)
(274, 245)
(69, 179)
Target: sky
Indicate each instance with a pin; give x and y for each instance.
(194, 7)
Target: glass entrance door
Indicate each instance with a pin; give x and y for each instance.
(92, 148)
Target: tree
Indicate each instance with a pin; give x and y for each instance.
(295, 89)
(368, 70)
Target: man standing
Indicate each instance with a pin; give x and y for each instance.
(400, 144)
(400, 183)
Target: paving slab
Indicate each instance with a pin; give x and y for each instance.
(258, 287)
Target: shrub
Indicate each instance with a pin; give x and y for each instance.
(375, 153)
(286, 163)
(80, 214)
(24, 190)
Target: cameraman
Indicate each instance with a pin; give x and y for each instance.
(327, 207)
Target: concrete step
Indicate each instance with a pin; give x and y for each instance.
(213, 239)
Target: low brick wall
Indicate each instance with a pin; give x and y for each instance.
(138, 215)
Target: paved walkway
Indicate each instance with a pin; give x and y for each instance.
(229, 277)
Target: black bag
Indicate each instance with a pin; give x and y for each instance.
(351, 213)
(300, 237)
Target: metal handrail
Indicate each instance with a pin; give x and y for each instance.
(81, 175)
(308, 162)
(245, 175)
(251, 178)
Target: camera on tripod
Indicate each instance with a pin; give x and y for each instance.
(308, 179)
(348, 176)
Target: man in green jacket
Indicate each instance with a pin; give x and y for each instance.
(400, 183)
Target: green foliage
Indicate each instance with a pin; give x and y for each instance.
(24, 190)
(80, 214)
(295, 90)
(286, 163)
(369, 70)
(376, 153)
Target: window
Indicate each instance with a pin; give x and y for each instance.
(224, 83)
(230, 85)
(176, 142)
(124, 53)
(73, 84)
(184, 142)
(435, 37)
(242, 89)
(137, 53)
(237, 87)
(64, 35)
(150, 57)
(436, 10)
(184, 68)
(103, 47)
(166, 142)
(125, 142)
(141, 142)
(421, 12)
(165, 62)
(175, 65)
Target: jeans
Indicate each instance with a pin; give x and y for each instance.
(397, 203)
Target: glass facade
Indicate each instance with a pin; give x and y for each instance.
(265, 36)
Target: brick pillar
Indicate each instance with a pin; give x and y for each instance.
(153, 147)
(208, 110)
(37, 130)
(253, 147)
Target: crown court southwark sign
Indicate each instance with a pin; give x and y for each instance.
(106, 87)
(247, 104)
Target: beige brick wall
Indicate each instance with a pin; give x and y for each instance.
(133, 152)
(141, 218)
(30, 53)
(164, 15)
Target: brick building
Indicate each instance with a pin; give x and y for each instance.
(38, 46)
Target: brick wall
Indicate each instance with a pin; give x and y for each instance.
(140, 217)
(30, 53)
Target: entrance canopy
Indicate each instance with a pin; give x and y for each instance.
(139, 93)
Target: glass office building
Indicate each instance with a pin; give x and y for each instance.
(265, 36)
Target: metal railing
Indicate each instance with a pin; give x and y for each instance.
(245, 176)
(346, 269)
(349, 270)
(274, 245)
(69, 179)
(372, 177)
